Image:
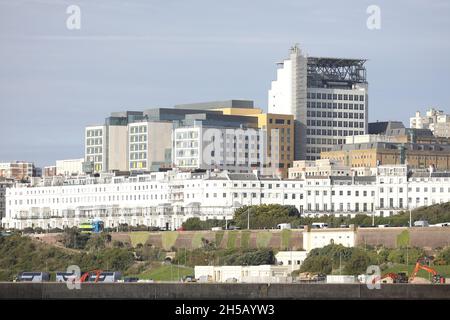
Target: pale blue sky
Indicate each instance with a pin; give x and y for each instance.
(140, 54)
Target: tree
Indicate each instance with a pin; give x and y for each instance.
(358, 263)
(197, 224)
(265, 216)
(192, 224)
(317, 264)
(96, 242)
(72, 238)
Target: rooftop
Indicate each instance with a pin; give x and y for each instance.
(245, 104)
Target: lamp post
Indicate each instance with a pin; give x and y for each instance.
(410, 218)
(248, 212)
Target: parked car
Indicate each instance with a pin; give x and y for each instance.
(319, 225)
(131, 279)
(233, 228)
(421, 223)
(443, 224)
(189, 279)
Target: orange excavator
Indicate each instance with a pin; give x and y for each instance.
(396, 277)
(437, 278)
(401, 277)
(85, 277)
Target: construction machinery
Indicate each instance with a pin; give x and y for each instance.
(400, 277)
(437, 278)
(89, 276)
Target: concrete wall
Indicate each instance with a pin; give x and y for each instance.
(156, 291)
(427, 238)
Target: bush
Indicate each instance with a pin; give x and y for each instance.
(28, 230)
(197, 224)
(97, 242)
(444, 256)
(403, 255)
(149, 253)
(251, 258)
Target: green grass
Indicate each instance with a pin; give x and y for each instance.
(168, 239)
(403, 239)
(197, 240)
(442, 270)
(219, 237)
(166, 273)
(138, 237)
(245, 239)
(263, 239)
(285, 238)
(231, 243)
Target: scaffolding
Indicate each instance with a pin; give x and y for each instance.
(335, 72)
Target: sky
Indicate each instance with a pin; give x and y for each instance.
(135, 55)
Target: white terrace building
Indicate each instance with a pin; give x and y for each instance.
(167, 199)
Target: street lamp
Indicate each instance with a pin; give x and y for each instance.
(248, 211)
(410, 218)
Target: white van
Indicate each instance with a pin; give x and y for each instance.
(421, 223)
(284, 226)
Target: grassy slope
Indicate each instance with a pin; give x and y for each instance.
(231, 242)
(285, 238)
(138, 237)
(168, 239)
(442, 270)
(245, 239)
(263, 239)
